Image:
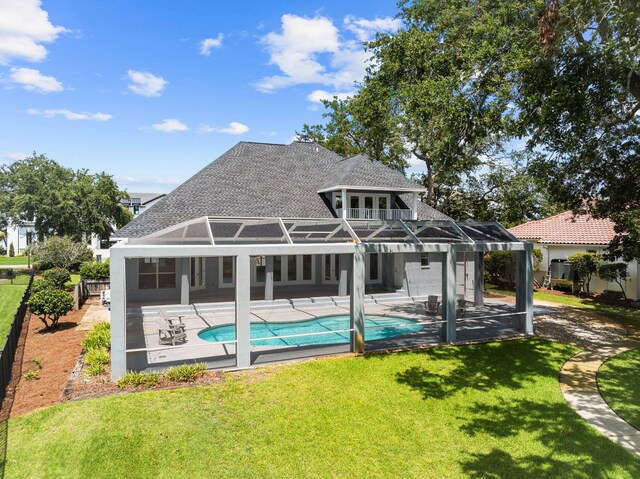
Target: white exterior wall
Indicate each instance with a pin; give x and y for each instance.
(18, 236)
(596, 285)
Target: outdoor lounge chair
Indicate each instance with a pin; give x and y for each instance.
(168, 334)
(432, 305)
(176, 322)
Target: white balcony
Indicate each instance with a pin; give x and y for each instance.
(373, 214)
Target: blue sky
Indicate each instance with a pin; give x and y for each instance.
(152, 91)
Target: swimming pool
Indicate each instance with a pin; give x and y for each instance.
(377, 327)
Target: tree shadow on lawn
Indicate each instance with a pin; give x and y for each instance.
(510, 364)
(576, 449)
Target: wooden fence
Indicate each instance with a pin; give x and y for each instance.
(11, 344)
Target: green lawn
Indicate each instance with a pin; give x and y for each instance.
(75, 278)
(619, 384)
(16, 260)
(493, 410)
(10, 296)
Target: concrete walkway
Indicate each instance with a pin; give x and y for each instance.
(580, 388)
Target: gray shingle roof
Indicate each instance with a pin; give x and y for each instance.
(259, 180)
(360, 171)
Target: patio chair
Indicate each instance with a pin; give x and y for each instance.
(175, 322)
(460, 307)
(168, 334)
(432, 305)
(105, 298)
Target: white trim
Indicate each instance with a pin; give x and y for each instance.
(372, 188)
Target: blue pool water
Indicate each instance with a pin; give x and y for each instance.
(376, 327)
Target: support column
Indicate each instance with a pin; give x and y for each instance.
(414, 215)
(268, 279)
(357, 302)
(344, 274)
(524, 289)
(118, 315)
(449, 296)
(243, 312)
(344, 203)
(478, 279)
(184, 281)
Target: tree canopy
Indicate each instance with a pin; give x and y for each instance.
(61, 201)
(462, 81)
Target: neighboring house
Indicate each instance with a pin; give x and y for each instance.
(294, 225)
(140, 202)
(562, 235)
(20, 235)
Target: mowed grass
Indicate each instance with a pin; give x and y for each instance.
(10, 296)
(619, 384)
(15, 260)
(491, 410)
(75, 279)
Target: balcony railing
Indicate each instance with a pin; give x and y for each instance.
(370, 214)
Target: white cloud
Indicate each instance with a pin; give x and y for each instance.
(33, 80)
(317, 96)
(169, 126)
(234, 128)
(70, 115)
(312, 51)
(12, 156)
(145, 83)
(24, 27)
(208, 43)
(366, 29)
(148, 181)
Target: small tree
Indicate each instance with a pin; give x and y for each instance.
(585, 265)
(60, 252)
(41, 284)
(12, 250)
(537, 259)
(615, 272)
(57, 277)
(93, 270)
(50, 304)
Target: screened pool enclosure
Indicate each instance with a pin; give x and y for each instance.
(255, 290)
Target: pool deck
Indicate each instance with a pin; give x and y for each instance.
(142, 332)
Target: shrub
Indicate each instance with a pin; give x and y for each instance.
(615, 272)
(57, 276)
(186, 372)
(500, 266)
(97, 356)
(95, 369)
(585, 265)
(60, 252)
(50, 305)
(12, 250)
(94, 270)
(537, 258)
(41, 284)
(32, 374)
(135, 378)
(98, 338)
(37, 362)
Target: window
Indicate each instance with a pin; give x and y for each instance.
(424, 261)
(337, 204)
(307, 267)
(227, 270)
(374, 266)
(277, 269)
(292, 268)
(261, 268)
(156, 273)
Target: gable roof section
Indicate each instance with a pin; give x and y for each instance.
(145, 197)
(360, 171)
(564, 228)
(252, 180)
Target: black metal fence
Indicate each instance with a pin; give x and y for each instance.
(11, 344)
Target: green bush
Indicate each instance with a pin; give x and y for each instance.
(500, 266)
(585, 266)
(94, 270)
(32, 374)
(50, 305)
(186, 372)
(57, 276)
(41, 284)
(97, 356)
(60, 252)
(12, 250)
(98, 338)
(615, 272)
(95, 369)
(135, 378)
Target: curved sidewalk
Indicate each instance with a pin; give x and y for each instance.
(580, 388)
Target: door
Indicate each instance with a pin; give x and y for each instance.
(331, 269)
(373, 267)
(197, 273)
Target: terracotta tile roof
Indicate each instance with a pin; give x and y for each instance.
(564, 228)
